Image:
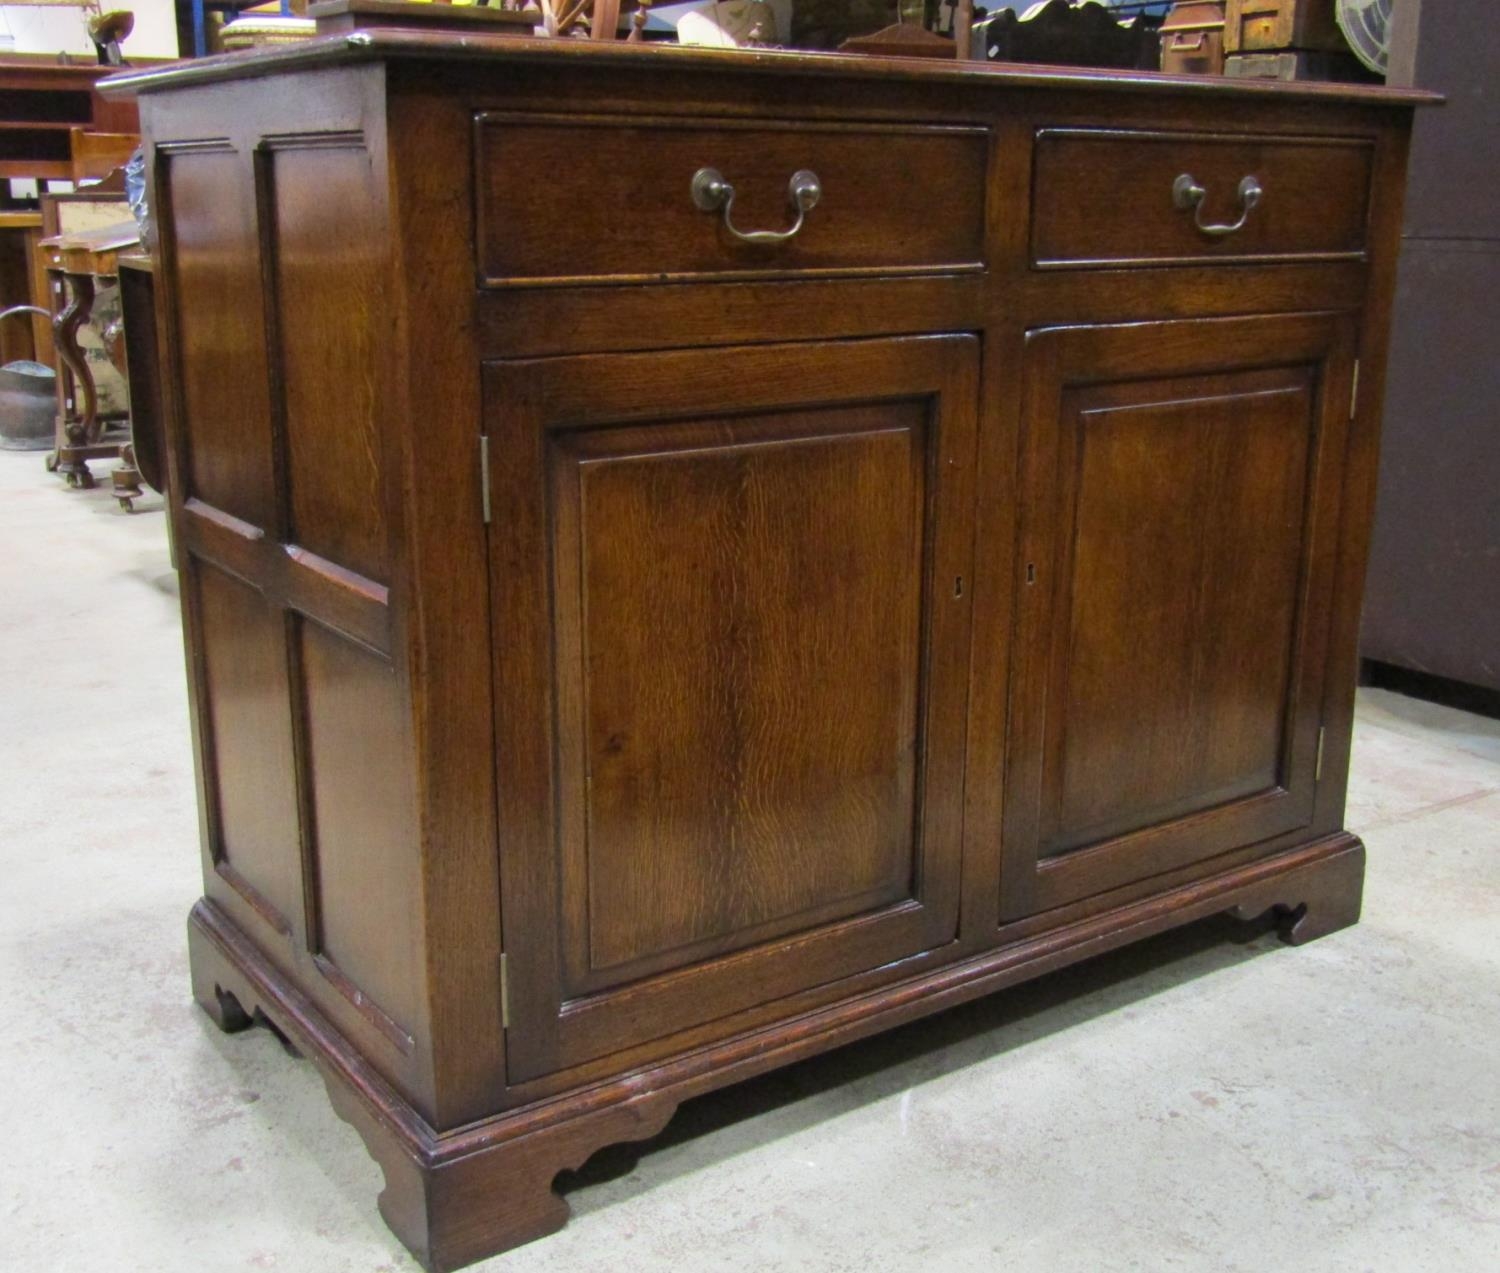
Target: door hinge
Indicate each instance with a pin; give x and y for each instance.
(1318, 763)
(504, 994)
(1354, 392)
(484, 476)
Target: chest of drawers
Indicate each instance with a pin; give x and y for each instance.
(692, 559)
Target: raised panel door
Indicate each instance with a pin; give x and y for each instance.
(1180, 507)
(730, 640)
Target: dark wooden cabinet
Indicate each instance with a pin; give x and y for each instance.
(636, 642)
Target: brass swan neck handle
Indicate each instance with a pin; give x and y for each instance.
(1188, 194)
(712, 193)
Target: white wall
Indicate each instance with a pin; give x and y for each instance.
(51, 29)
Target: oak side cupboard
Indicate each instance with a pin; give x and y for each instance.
(690, 558)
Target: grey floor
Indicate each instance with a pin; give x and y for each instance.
(1205, 1101)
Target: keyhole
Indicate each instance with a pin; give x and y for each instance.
(1031, 572)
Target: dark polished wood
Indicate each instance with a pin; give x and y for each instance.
(1104, 197)
(453, 1199)
(1179, 500)
(624, 659)
(139, 313)
(755, 675)
(532, 227)
(23, 282)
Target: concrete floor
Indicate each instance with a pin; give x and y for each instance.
(1199, 1102)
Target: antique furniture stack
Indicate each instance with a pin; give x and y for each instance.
(1286, 40)
(54, 126)
(1192, 38)
(691, 558)
(54, 118)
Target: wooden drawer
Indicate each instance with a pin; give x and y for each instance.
(572, 199)
(1251, 25)
(1103, 197)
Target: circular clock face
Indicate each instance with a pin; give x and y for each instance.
(1366, 24)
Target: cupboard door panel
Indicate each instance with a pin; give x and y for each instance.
(1182, 499)
(747, 645)
(738, 708)
(1185, 547)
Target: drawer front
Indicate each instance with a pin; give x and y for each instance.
(1103, 197)
(570, 199)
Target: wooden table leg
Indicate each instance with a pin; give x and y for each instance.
(127, 479)
(77, 398)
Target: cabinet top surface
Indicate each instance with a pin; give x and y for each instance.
(446, 47)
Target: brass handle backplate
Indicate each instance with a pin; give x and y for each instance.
(1188, 194)
(712, 193)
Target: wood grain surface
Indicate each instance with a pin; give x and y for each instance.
(623, 660)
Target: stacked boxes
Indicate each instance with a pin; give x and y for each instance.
(1286, 40)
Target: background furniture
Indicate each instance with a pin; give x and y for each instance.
(1192, 38)
(43, 102)
(82, 265)
(1062, 33)
(143, 460)
(1263, 26)
(199, 20)
(97, 155)
(1288, 40)
(1433, 611)
(23, 282)
(77, 217)
(54, 126)
(925, 551)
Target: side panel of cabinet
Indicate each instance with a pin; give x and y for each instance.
(1179, 524)
(731, 633)
(287, 515)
